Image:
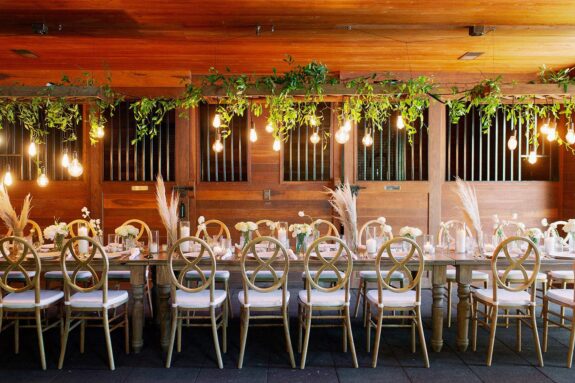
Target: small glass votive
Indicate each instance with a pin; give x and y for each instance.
(428, 244)
(371, 240)
(114, 242)
(282, 232)
(154, 242)
(185, 231)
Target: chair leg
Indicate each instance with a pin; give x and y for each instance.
(474, 314)
(449, 308)
(40, 338)
(106, 324)
(225, 329)
(229, 298)
(563, 286)
(518, 333)
(344, 333)
(536, 335)
(16, 337)
(299, 327)
(64, 340)
(173, 328)
(215, 336)
(307, 312)
(245, 322)
(368, 328)
(356, 308)
(413, 324)
(492, 330)
(148, 293)
(179, 334)
(377, 337)
(364, 294)
(545, 314)
(422, 337)
(82, 335)
(126, 331)
(571, 342)
(285, 314)
(350, 337)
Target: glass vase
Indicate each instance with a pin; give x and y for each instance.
(129, 243)
(572, 242)
(59, 242)
(301, 244)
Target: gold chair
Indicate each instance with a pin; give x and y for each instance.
(264, 223)
(369, 276)
(34, 229)
(476, 275)
(562, 277)
(334, 298)
(406, 299)
(264, 296)
(222, 276)
(564, 298)
(331, 228)
(188, 301)
(73, 227)
(508, 298)
(124, 275)
(92, 303)
(26, 301)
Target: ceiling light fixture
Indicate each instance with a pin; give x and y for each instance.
(65, 159)
(532, 157)
(75, 168)
(277, 145)
(32, 150)
(341, 136)
(512, 142)
(218, 146)
(400, 124)
(43, 178)
(253, 133)
(217, 122)
(570, 136)
(7, 179)
(314, 138)
(367, 139)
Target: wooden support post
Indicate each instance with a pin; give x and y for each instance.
(436, 163)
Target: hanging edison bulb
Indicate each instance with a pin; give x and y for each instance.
(314, 138)
(7, 179)
(65, 159)
(512, 142)
(545, 127)
(532, 157)
(75, 168)
(277, 145)
(313, 120)
(399, 123)
(32, 150)
(217, 122)
(551, 134)
(42, 178)
(570, 136)
(100, 131)
(218, 146)
(367, 139)
(341, 136)
(253, 133)
(347, 126)
(269, 127)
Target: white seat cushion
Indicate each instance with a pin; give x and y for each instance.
(81, 276)
(321, 298)
(476, 275)
(123, 275)
(17, 275)
(517, 275)
(326, 275)
(371, 276)
(93, 299)
(221, 275)
(259, 299)
(504, 297)
(562, 295)
(567, 275)
(392, 299)
(199, 300)
(26, 299)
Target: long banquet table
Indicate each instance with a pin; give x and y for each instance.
(436, 264)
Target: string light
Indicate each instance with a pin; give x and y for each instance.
(277, 145)
(65, 159)
(532, 157)
(367, 139)
(341, 136)
(42, 178)
(217, 121)
(313, 120)
(100, 131)
(314, 138)
(512, 142)
(545, 127)
(347, 126)
(218, 146)
(269, 127)
(552, 134)
(7, 179)
(253, 133)
(32, 150)
(570, 136)
(75, 168)
(399, 123)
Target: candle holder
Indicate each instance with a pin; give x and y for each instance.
(460, 238)
(282, 233)
(371, 241)
(154, 242)
(428, 244)
(185, 231)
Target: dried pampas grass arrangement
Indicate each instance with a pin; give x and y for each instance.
(8, 214)
(344, 202)
(470, 206)
(168, 209)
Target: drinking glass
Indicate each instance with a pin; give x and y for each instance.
(154, 242)
(428, 244)
(371, 240)
(282, 233)
(185, 231)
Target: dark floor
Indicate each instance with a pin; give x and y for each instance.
(267, 361)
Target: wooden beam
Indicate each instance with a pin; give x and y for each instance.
(436, 163)
(50, 91)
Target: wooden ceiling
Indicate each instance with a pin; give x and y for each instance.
(158, 42)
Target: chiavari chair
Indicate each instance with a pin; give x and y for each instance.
(329, 276)
(34, 230)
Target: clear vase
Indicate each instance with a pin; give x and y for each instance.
(245, 238)
(572, 242)
(59, 242)
(129, 243)
(301, 245)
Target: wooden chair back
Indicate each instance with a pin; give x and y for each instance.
(16, 252)
(143, 226)
(37, 229)
(73, 227)
(318, 225)
(509, 229)
(448, 227)
(219, 227)
(379, 227)
(269, 226)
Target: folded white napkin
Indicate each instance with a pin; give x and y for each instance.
(134, 252)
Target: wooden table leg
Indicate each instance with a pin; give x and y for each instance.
(164, 312)
(137, 280)
(438, 280)
(463, 276)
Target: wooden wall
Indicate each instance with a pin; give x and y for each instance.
(421, 204)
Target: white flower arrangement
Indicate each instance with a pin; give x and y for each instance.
(57, 229)
(95, 223)
(300, 229)
(569, 227)
(245, 227)
(127, 231)
(534, 234)
(384, 227)
(410, 232)
(302, 214)
(201, 223)
(272, 225)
